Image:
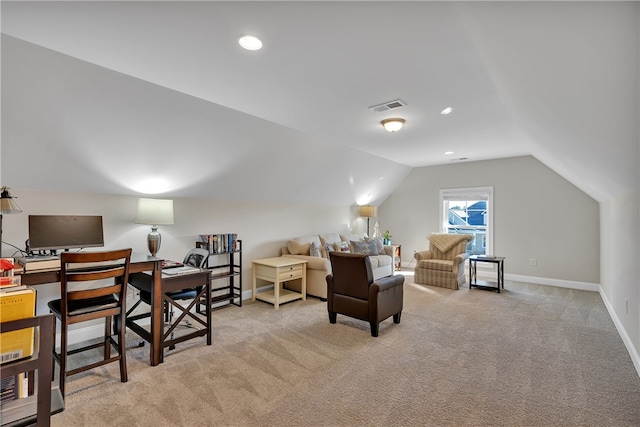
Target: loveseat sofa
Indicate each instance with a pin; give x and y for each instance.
(315, 250)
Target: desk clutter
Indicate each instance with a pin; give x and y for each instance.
(32, 263)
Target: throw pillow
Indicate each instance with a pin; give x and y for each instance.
(328, 247)
(378, 242)
(341, 247)
(367, 248)
(301, 245)
(314, 249)
(297, 248)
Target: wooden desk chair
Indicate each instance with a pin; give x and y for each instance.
(104, 299)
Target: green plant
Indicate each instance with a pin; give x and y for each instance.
(386, 235)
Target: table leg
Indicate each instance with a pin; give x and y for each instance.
(253, 286)
(276, 292)
(303, 287)
(156, 316)
(209, 327)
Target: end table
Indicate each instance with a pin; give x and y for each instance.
(483, 284)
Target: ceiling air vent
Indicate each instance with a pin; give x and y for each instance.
(391, 105)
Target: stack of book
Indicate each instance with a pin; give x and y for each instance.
(219, 243)
(34, 263)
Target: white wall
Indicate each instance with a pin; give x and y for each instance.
(620, 276)
(537, 214)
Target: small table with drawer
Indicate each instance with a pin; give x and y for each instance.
(279, 270)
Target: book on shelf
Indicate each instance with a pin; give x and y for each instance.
(9, 282)
(13, 387)
(14, 305)
(39, 263)
(218, 243)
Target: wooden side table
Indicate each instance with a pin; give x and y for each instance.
(483, 284)
(397, 255)
(279, 270)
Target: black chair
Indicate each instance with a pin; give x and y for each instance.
(197, 257)
(105, 298)
(352, 291)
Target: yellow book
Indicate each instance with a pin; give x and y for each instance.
(14, 305)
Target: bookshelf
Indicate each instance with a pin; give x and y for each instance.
(46, 399)
(225, 263)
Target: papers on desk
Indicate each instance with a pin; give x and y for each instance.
(180, 270)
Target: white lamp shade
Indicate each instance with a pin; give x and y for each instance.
(155, 211)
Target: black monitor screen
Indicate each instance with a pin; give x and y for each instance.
(65, 231)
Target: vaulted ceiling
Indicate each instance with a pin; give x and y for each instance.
(157, 97)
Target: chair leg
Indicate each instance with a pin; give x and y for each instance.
(333, 317)
(107, 335)
(122, 348)
(396, 317)
(374, 329)
(64, 329)
(53, 359)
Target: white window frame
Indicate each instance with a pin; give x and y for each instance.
(472, 193)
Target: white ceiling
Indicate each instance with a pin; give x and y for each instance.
(555, 80)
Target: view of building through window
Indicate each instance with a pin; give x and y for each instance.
(469, 217)
(469, 211)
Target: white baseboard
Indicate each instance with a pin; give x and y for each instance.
(571, 284)
(633, 353)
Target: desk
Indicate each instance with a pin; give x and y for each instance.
(139, 263)
(172, 283)
(473, 279)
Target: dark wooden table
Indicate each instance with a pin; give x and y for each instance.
(483, 284)
(198, 278)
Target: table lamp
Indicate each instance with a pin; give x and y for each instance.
(154, 212)
(7, 206)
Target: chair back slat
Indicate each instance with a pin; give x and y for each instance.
(97, 274)
(83, 294)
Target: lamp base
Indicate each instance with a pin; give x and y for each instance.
(153, 241)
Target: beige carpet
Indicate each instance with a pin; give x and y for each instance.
(529, 356)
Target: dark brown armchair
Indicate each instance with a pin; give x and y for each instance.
(352, 291)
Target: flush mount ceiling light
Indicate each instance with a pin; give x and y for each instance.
(446, 111)
(392, 125)
(250, 42)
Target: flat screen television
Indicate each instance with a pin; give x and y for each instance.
(55, 232)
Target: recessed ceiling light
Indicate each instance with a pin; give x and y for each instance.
(446, 111)
(448, 152)
(250, 42)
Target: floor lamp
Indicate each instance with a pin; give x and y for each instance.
(368, 212)
(7, 206)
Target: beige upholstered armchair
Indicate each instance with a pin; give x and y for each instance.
(443, 264)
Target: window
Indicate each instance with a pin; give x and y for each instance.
(469, 211)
